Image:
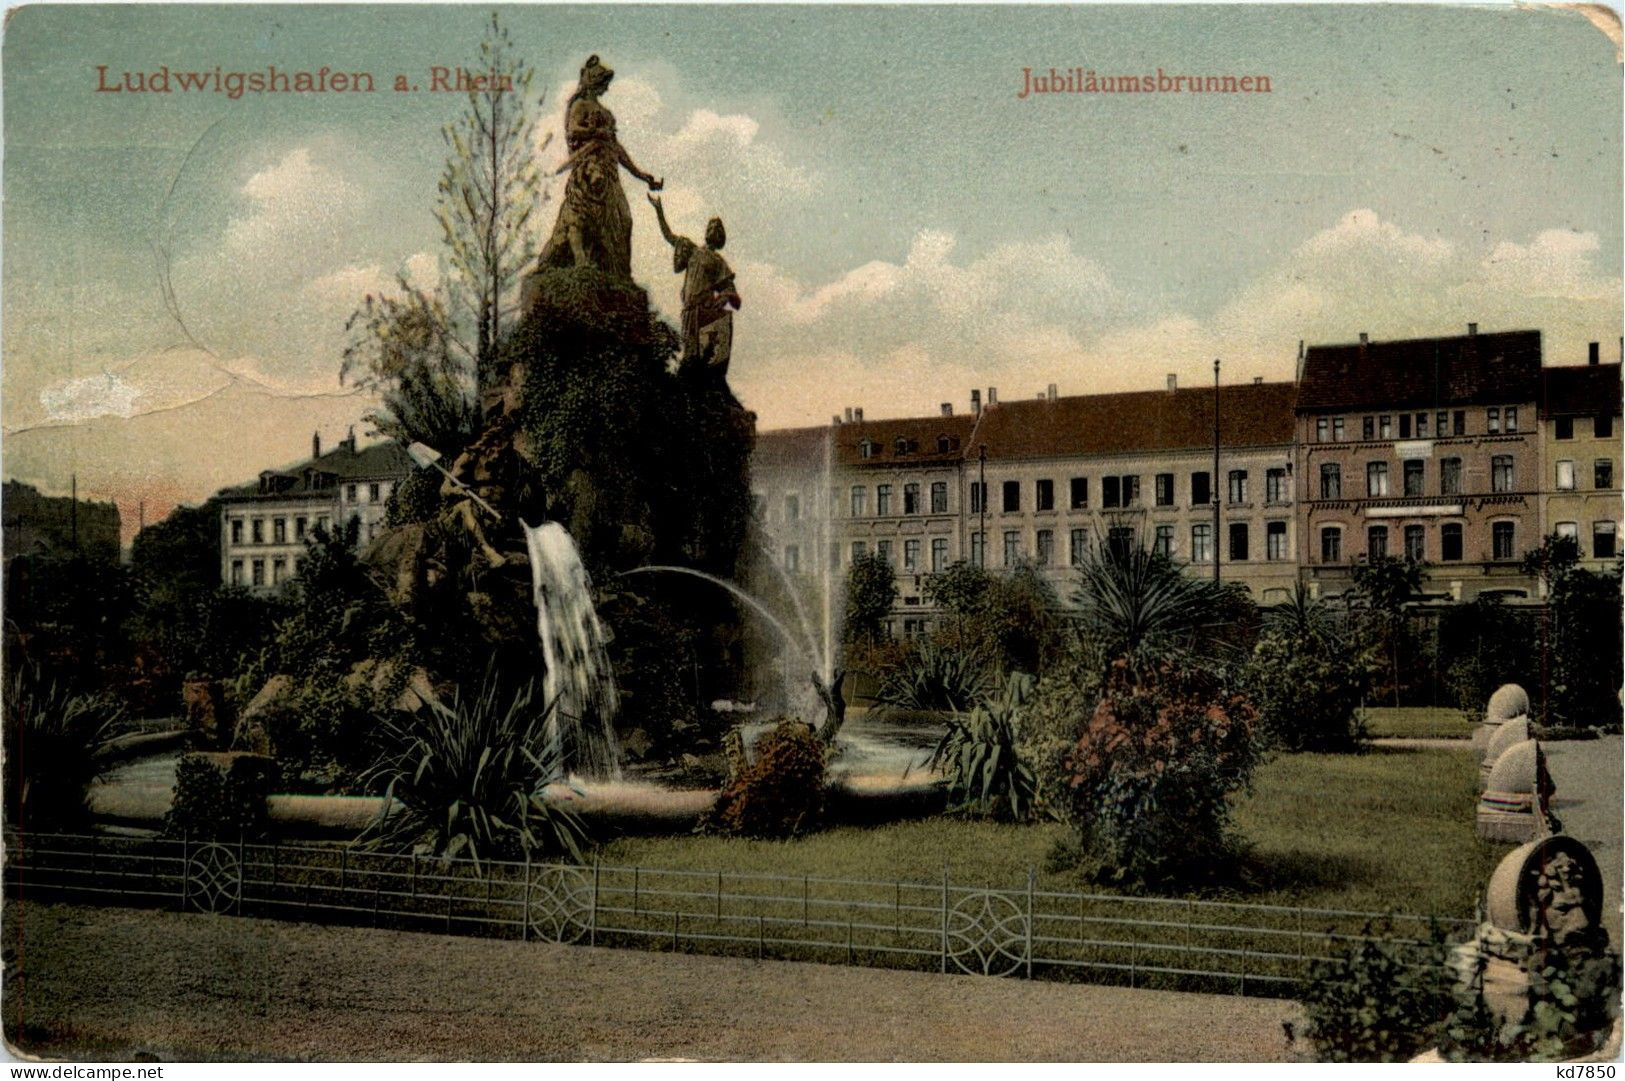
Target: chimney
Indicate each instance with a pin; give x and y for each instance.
(1258, 380)
(1365, 339)
(975, 403)
(349, 439)
(1173, 382)
(992, 397)
(1594, 357)
(947, 409)
(849, 414)
(316, 436)
(1472, 330)
(1050, 390)
(857, 414)
(835, 421)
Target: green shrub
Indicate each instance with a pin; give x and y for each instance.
(1574, 999)
(1308, 690)
(781, 793)
(934, 678)
(221, 795)
(470, 779)
(1150, 777)
(51, 739)
(987, 775)
(1379, 1000)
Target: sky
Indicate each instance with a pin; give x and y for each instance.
(904, 226)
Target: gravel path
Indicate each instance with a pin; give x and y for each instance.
(1590, 779)
(118, 983)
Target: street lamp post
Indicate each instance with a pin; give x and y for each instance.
(981, 506)
(1216, 471)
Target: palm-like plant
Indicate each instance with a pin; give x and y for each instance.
(1304, 617)
(935, 679)
(51, 739)
(470, 778)
(1140, 605)
(986, 775)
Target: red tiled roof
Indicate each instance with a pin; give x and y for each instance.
(1422, 373)
(789, 448)
(923, 440)
(1250, 414)
(1586, 389)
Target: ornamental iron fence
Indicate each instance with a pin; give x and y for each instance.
(943, 926)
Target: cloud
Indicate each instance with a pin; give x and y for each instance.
(88, 397)
(1557, 263)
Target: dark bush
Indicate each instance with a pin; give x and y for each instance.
(220, 795)
(781, 793)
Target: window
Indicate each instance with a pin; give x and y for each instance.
(1080, 492)
(236, 531)
(236, 572)
(1331, 480)
(1602, 540)
(1414, 471)
(1323, 429)
(911, 555)
(349, 493)
(1511, 419)
(1385, 427)
(1201, 543)
(1404, 426)
(1568, 530)
(323, 523)
(978, 549)
(901, 447)
(1275, 486)
(1416, 543)
(911, 499)
(257, 572)
(1368, 428)
(1449, 476)
(1376, 478)
(1012, 547)
(1604, 426)
(860, 501)
(1376, 542)
(1111, 491)
(1045, 552)
(978, 498)
(1165, 489)
(1441, 423)
(939, 497)
(372, 493)
(868, 448)
(1119, 539)
(1337, 429)
(259, 530)
(1012, 495)
(1492, 420)
(1458, 425)
(1501, 473)
(1079, 545)
(1602, 473)
(1238, 486)
(860, 549)
(1421, 425)
(1450, 542)
(279, 570)
(279, 530)
(1275, 540)
(1201, 489)
(1238, 542)
(883, 550)
(792, 508)
(1044, 495)
(944, 444)
(792, 558)
(1501, 537)
(1565, 476)
(939, 554)
(1331, 544)
(299, 525)
(1163, 544)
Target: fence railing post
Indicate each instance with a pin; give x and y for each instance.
(524, 918)
(592, 918)
(242, 872)
(1032, 888)
(945, 917)
(186, 867)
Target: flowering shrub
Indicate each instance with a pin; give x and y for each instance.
(1150, 777)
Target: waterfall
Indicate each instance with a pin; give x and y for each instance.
(578, 680)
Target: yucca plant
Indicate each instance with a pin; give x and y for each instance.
(1140, 605)
(935, 679)
(51, 739)
(986, 776)
(470, 779)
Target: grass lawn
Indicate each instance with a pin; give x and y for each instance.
(1392, 829)
(1418, 722)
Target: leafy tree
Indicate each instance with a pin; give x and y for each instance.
(1010, 619)
(1556, 558)
(871, 590)
(1485, 643)
(1307, 678)
(429, 351)
(1383, 586)
(1584, 658)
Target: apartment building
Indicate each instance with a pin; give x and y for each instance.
(264, 524)
(1428, 448)
(1580, 433)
